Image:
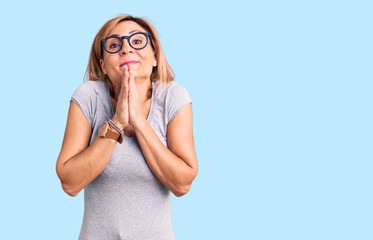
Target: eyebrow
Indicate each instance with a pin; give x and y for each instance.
(117, 35)
(134, 31)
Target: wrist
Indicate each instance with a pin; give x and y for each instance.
(121, 126)
(108, 131)
(139, 124)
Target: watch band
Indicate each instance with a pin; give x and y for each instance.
(115, 136)
(120, 131)
(106, 131)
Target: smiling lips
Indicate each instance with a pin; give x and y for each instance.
(128, 63)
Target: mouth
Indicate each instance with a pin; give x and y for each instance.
(128, 63)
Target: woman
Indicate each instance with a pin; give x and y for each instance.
(129, 136)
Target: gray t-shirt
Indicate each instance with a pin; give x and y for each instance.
(127, 201)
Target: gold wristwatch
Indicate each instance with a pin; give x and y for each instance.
(106, 131)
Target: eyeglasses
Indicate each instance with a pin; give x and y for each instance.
(114, 44)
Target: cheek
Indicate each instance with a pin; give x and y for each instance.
(148, 61)
(110, 63)
(147, 55)
(110, 67)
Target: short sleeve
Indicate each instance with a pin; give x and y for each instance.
(86, 98)
(177, 98)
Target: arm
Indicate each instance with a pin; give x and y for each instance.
(176, 166)
(79, 164)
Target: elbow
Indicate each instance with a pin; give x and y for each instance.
(69, 191)
(66, 188)
(182, 190)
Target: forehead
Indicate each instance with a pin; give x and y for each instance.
(123, 28)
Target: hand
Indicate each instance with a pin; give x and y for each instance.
(135, 116)
(121, 116)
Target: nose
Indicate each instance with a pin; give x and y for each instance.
(126, 48)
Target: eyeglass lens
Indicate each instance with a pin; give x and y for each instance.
(136, 41)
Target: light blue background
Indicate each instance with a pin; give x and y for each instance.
(282, 105)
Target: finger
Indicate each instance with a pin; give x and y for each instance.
(125, 74)
(125, 81)
(132, 84)
(123, 94)
(132, 74)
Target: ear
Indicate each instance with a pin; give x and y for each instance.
(154, 62)
(102, 64)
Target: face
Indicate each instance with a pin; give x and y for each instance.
(142, 61)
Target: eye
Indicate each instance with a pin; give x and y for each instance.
(114, 45)
(137, 41)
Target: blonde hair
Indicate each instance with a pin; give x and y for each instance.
(162, 71)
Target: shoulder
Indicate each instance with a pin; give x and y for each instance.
(173, 97)
(168, 86)
(91, 86)
(87, 93)
(86, 96)
(172, 90)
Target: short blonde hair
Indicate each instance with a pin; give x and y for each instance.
(162, 71)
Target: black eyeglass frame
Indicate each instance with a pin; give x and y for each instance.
(147, 35)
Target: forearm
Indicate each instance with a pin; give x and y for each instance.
(171, 170)
(76, 173)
